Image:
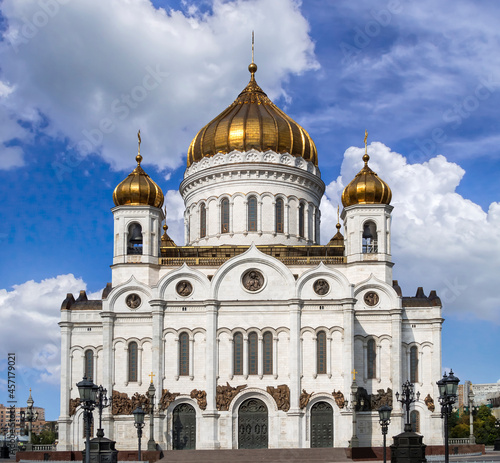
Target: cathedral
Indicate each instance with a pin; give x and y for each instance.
(253, 334)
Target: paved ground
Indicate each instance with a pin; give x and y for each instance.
(296, 456)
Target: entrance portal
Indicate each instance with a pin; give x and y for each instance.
(252, 425)
(184, 428)
(321, 425)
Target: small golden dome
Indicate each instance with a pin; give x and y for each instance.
(138, 189)
(253, 121)
(366, 188)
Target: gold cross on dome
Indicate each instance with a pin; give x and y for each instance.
(354, 374)
(151, 376)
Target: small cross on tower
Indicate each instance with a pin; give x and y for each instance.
(151, 376)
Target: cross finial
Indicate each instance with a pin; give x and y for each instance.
(338, 213)
(253, 42)
(354, 374)
(151, 376)
(366, 158)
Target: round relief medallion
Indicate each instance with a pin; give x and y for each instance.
(133, 301)
(184, 288)
(321, 287)
(253, 280)
(371, 298)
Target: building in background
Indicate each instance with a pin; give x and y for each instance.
(5, 413)
(253, 334)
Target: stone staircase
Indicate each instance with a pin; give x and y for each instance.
(259, 455)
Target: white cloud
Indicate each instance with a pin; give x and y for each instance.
(97, 77)
(32, 312)
(440, 240)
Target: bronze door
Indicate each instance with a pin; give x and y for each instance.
(184, 428)
(252, 425)
(321, 425)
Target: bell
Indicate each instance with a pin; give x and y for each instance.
(367, 234)
(136, 234)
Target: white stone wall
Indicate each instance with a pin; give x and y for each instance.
(268, 309)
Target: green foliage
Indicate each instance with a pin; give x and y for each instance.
(484, 426)
(44, 438)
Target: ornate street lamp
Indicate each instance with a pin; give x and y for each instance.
(407, 398)
(497, 440)
(448, 386)
(139, 424)
(472, 409)
(384, 413)
(151, 395)
(30, 416)
(88, 392)
(102, 402)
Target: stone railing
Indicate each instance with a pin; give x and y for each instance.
(44, 447)
(459, 440)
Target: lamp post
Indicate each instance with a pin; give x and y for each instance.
(407, 398)
(448, 386)
(102, 402)
(151, 395)
(472, 439)
(497, 440)
(88, 392)
(139, 424)
(30, 416)
(354, 403)
(384, 413)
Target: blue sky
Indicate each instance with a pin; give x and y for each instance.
(79, 78)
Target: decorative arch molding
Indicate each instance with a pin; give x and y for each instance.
(252, 393)
(177, 331)
(184, 272)
(254, 257)
(321, 397)
(321, 270)
(140, 341)
(373, 283)
(130, 286)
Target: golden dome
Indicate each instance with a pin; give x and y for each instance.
(366, 188)
(138, 189)
(253, 121)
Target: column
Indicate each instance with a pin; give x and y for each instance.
(365, 361)
(139, 365)
(158, 362)
(378, 360)
(260, 363)
(64, 419)
(306, 222)
(329, 356)
(286, 215)
(259, 217)
(211, 415)
(231, 215)
(108, 320)
(315, 356)
(419, 367)
(177, 358)
(348, 344)
(396, 355)
(231, 357)
(245, 356)
(295, 413)
(275, 357)
(191, 357)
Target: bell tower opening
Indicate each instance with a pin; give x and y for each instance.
(134, 244)
(370, 243)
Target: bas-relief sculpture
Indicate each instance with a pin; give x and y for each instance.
(201, 398)
(281, 395)
(225, 394)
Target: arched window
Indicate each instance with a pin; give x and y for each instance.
(253, 356)
(252, 213)
(203, 221)
(224, 216)
(238, 353)
(321, 353)
(301, 220)
(89, 365)
(371, 358)
(279, 213)
(415, 421)
(267, 352)
(184, 354)
(132, 362)
(134, 241)
(370, 244)
(414, 364)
